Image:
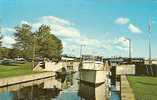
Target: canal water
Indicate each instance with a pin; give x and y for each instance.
(64, 88)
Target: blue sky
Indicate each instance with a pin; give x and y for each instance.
(101, 25)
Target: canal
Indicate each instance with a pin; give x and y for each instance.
(64, 88)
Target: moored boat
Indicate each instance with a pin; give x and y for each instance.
(92, 69)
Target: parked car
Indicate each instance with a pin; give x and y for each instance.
(1, 61)
(7, 61)
(20, 60)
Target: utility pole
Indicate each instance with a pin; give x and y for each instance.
(150, 57)
(0, 26)
(33, 50)
(129, 51)
(149, 31)
(0, 33)
(129, 48)
(81, 49)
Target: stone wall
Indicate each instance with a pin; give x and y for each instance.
(24, 78)
(125, 70)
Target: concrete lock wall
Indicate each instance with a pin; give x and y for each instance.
(24, 78)
(126, 91)
(18, 86)
(125, 70)
(53, 66)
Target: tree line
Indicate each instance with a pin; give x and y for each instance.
(39, 44)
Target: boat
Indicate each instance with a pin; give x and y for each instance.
(92, 69)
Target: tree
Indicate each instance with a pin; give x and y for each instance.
(4, 52)
(0, 44)
(41, 43)
(48, 45)
(0, 40)
(24, 40)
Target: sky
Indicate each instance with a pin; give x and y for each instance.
(103, 27)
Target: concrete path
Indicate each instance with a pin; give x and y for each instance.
(25, 78)
(126, 90)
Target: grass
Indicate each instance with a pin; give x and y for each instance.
(144, 88)
(15, 70)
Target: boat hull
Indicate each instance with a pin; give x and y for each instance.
(92, 76)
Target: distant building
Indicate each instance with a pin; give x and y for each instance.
(120, 60)
(154, 61)
(137, 60)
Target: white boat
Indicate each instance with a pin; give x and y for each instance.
(92, 69)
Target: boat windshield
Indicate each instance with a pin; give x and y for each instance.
(98, 58)
(87, 57)
(92, 58)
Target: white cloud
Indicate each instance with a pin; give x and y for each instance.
(8, 38)
(25, 22)
(71, 37)
(66, 31)
(56, 20)
(60, 27)
(121, 43)
(69, 34)
(134, 29)
(107, 46)
(7, 41)
(131, 27)
(122, 21)
(82, 40)
(88, 41)
(8, 31)
(121, 48)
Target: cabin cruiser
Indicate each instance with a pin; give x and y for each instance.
(92, 69)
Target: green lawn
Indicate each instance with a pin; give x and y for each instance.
(145, 88)
(15, 70)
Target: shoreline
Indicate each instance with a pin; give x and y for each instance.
(126, 92)
(25, 78)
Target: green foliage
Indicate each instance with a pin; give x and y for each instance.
(0, 40)
(8, 53)
(4, 52)
(46, 45)
(24, 40)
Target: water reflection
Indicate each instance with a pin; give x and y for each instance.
(92, 92)
(65, 88)
(30, 91)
